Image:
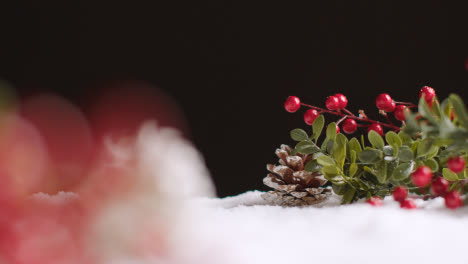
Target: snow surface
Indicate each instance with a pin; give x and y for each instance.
(243, 229)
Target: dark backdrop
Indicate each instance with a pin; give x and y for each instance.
(231, 64)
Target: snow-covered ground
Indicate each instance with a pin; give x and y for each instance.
(242, 229)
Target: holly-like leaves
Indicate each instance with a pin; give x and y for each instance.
(355, 146)
(402, 171)
(459, 109)
(370, 155)
(298, 134)
(405, 154)
(307, 147)
(325, 160)
(393, 140)
(331, 131)
(449, 175)
(376, 140)
(361, 168)
(317, 127)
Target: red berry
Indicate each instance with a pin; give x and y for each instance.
(342, 100)
(310, 116)
(376, 127)
(384, 102)
(408, 204)
(337, 129)
(422, 176)
(400, 111)
(400, 193)
(440, 186)
(292, 104)
(332, 103)
(375, 201)
(456, 164)
(453, 200)
(349, 126)
(429, 94)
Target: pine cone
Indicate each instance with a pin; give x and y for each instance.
(293, 185)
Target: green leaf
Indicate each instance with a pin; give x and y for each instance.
(369, 170)
(446, 128)
(405, 154)
(433, 151)
(403, 171)
(370, 156)
(303, 143)
(393, 139)
(339, 149)
(414, 147)
(381, 171)
(375, 139)
(463, 175)
(331, 170)
(348, 196)
(352, 156)
(308, 148)
(312, 166)
(298, 134)
(460, 109)
(315, 156)
(323, 147)
(424, 147)
(352, 169)
(432, 163)
(330, 145)
(412, 125)
(446, 107)
(436, 108)
(355, 145)
(340, 189)
(425, 110)
(388, 151)
(331, 131)
(449, 175)
(325, 160)
(405, 138)
(317, 127)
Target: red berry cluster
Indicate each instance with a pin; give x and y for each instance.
(375, 201)
(336, 104)
(423, 177)
(400, 194)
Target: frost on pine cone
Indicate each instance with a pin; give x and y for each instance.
(293, 185)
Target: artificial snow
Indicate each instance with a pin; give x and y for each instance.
(243, 229)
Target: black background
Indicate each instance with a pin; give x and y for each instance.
(231, 64)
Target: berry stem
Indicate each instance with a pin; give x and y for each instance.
(388, 118)
(348, 112)
(341, 120)
(351, 116)
(407, 104)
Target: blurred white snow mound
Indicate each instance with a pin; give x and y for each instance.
(178, 165)
(166, 162)
(135, 200)
(140, 225)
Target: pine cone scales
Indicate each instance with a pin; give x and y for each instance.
(293, 185)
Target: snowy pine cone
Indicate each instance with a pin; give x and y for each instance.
(293, 185)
